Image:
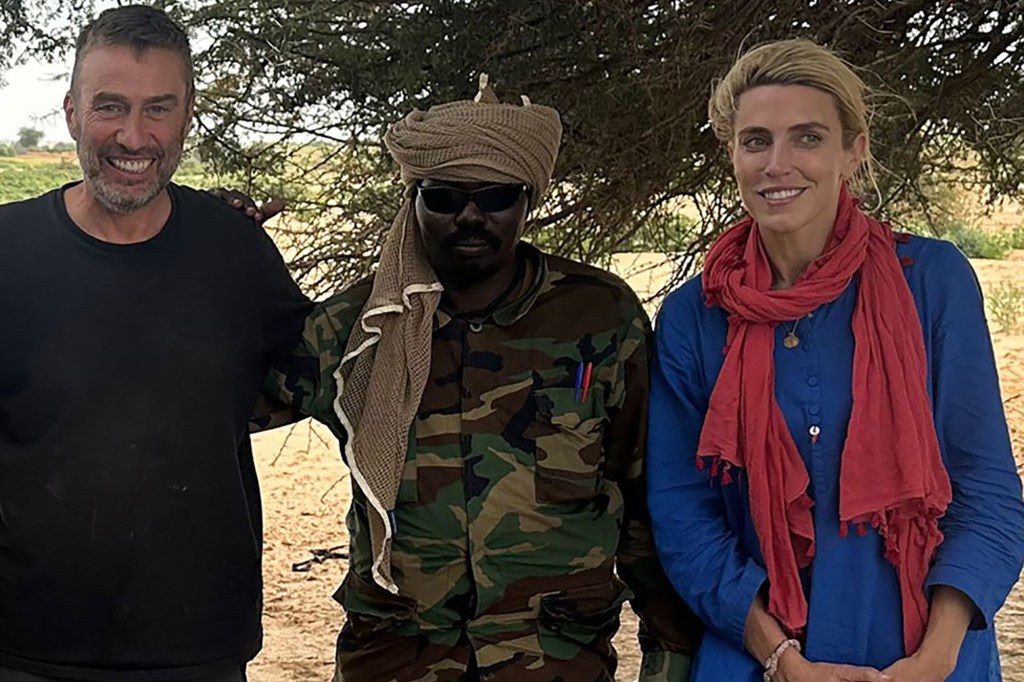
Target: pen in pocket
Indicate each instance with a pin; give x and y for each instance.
(583, 373)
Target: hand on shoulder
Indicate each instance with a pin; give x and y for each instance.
(243, 202)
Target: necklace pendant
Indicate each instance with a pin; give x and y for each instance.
(791, 341)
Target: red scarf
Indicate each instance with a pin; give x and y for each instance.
(892, 475)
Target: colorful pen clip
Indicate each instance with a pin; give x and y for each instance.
(583, 373)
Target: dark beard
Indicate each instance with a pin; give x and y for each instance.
(466, 275)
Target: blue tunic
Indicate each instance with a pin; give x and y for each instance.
(704, 532)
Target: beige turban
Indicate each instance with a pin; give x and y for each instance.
(387, 360)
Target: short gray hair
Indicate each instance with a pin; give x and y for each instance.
(139, 27)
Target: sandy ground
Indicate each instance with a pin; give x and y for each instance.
(1009, 349)
(306, 492)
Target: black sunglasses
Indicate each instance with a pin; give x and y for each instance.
(489, 199)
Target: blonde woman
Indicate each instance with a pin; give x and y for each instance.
(831, 479)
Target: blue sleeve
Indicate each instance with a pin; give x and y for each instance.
(699, 551)
(983, 549)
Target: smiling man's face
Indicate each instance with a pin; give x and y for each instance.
(129, 114)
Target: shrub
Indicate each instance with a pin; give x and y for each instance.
(1006, 305)
(978, 243)
(1015, 238)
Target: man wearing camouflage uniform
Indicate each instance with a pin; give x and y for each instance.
(491, 401)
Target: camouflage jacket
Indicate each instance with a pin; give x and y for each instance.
(522, 496)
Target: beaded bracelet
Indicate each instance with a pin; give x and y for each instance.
(771, 666)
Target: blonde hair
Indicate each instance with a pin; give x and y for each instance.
(798, 62)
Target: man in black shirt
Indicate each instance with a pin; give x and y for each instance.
(139, 318)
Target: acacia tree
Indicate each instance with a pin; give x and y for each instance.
(29, 138)
(38, 28)
(295, 95)
(631, 79)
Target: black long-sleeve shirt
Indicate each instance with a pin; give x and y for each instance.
(130, 520)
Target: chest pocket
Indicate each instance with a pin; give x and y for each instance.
(569, 444)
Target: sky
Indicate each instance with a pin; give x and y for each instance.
(34, 93)
(32, 98)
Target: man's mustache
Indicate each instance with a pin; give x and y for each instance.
(469, 235)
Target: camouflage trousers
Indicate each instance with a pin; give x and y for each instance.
(389, 658)
(553, 642)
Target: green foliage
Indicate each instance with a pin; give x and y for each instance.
(1015, 238)
(937, 208)
(28, 176)
(630, 79)
(975, 242)
(1006, 305)
(37, 28)
(194, 173)
(978, 243)
(21, 178)
(7, 149)
(28, 138)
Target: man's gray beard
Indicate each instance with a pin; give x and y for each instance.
(109, 197)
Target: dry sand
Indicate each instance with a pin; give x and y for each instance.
(306, 492)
